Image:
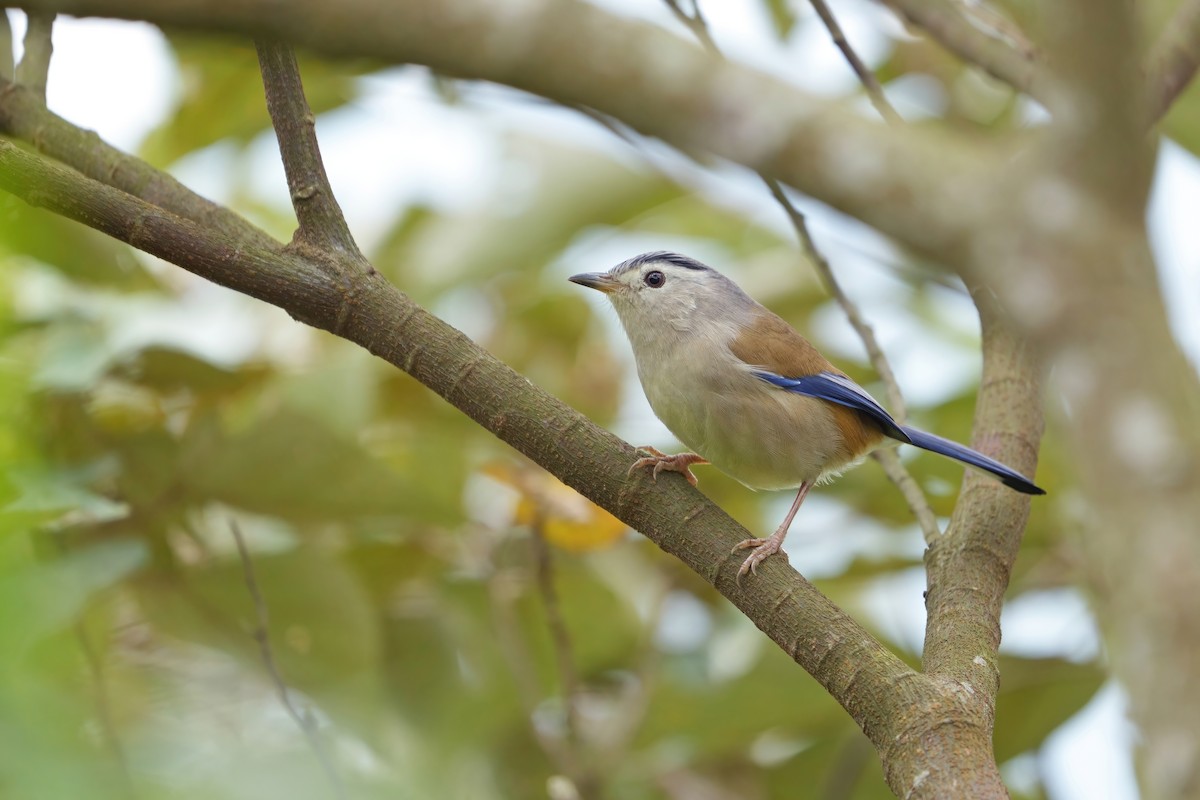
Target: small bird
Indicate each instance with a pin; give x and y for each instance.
(747, 393)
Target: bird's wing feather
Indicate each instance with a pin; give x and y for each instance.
(779, 355)
(775, 353)
(771, 344)
(841, 390)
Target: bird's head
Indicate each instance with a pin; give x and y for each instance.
(664, 290)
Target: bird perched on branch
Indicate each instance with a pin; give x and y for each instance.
(746, 392)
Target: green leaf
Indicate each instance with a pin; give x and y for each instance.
(167, 369)
(39, 599)
(714, 718)
(293, 466)
(783, 17)
(843, 765)
(1036, 696)
(324, 631)
(222, 96)
(497, 244)
(76, 251)
(44, 495)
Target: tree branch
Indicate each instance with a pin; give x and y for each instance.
(6, 47)
(701, 103)
(1134, 397)
(35, 62)
(969, 567)
(104, 715)
(864, 330)
(1173, 61)
(567, 674)
(696, 23)
(900, 710)
(583, 776)
(944, 21)
(865, 76)
(262, 635)
(887, 459)
(321, 221)
(24, 115)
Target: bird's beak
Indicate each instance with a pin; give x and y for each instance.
(600, 281)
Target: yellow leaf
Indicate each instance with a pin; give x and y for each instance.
(567, 519)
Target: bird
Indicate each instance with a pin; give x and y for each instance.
(747, 393)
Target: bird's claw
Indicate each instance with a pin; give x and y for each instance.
(763, 549)
(680, 463)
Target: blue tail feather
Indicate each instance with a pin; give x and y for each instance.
(936, 444)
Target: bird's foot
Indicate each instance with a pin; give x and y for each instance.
(763, 549)
(680, 463)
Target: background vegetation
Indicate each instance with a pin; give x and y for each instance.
(444, 619)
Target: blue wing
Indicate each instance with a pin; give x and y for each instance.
(841, 390)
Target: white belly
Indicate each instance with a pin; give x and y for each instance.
(758, 434)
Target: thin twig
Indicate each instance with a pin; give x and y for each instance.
(24, 115)
(515, 651)
(568, 675)
(261, 633)
(895, 470)
(1174, 59)
(104, 708)
(865, 76)
(626, 722)
(321, 222)
(608, 123)
(100, 697)
(917, 502)
(696, 23)
(861, 327)
(34, 68)
(6, 47)
(947, 25)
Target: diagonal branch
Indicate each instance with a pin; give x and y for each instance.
(701, 103)
(35, 63)
(585, 778)
(865, 76)
(945, 22)
(568, 675)
(103, 704)
(969, 567)
(864, 330)
(24, 115)
(262, 635)
(1174, 59)
(876, 688)
(893, 468)
(696, 23)
(321, 221)
(6, 47)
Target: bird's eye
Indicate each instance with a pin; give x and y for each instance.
(654, 279)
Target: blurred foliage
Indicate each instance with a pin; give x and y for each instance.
(394, 542)
(220, 95)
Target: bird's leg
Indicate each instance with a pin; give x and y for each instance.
(677, 463)
(771, 545)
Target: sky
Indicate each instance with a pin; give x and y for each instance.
(119, 79)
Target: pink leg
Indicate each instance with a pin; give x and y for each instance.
(677, 463)
(769, 546)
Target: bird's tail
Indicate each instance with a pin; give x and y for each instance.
(1008, 476)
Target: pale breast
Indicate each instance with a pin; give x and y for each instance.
(758, 434)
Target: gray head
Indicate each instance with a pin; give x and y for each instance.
(666, 289)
